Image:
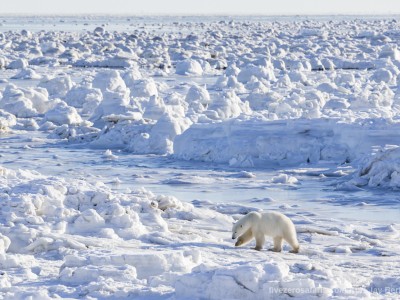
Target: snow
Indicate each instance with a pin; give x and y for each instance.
(90, 228)
(57, 87)
(129, 146)
(7, 120)
(27, 74)
(381, 169)
(189, 67)
(63, 114)
(18, 64)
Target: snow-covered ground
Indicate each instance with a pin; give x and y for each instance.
(129, 147)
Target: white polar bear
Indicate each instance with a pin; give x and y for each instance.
(258, 225)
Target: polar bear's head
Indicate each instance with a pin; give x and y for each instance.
(236, 230)
(244, 224)
(241, 226)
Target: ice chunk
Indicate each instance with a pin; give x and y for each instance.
(189, 67)
(63, 114)
(57, 87)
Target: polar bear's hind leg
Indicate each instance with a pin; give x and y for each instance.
(292, 241)
(295, 249)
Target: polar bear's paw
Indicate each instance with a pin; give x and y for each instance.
(274, 250)
(239, 242)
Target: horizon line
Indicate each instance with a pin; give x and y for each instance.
(197, 15)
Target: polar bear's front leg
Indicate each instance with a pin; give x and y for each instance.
(260, 240)
(244, 238)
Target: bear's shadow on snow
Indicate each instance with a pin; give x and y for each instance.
(196, 245)
(249, 247)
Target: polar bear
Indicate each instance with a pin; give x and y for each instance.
(258, 225)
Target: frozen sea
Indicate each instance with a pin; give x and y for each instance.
(129, 146)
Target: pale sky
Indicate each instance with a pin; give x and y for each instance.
(190, 7)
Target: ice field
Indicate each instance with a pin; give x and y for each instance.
(130, 145)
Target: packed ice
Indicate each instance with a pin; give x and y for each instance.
(225, 116)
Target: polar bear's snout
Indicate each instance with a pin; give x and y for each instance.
(233, 236)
